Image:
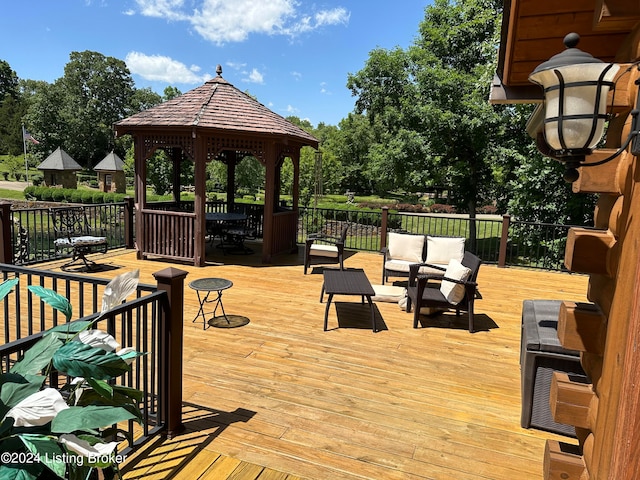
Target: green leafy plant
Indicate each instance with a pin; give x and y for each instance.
(47, 432)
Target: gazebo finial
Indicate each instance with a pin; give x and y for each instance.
(219, 70)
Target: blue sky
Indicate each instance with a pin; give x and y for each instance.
(294, 56)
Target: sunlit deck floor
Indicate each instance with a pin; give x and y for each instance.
(282, 395)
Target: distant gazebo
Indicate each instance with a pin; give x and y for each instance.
(59, 169)
(213, 122)
(111, 177)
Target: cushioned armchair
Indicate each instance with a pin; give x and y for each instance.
(455, 289)
(325, 248)
(432, 252)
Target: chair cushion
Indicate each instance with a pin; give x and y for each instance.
(388, 293)
(406, 247)
(80, 241)
(443, 249)
(454, 292)
(320, 250)
(403, 266)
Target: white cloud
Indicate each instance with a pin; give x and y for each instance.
(221, 21)
(164, 69)
(296, 75)
(254, 76)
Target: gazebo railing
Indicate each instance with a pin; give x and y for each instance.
(168, 234)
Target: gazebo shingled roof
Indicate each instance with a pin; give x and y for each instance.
(215, 121)
(219, 105)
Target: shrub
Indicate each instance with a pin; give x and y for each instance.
(76, 196)
(408, 207)
(37, 179)
(87, 197)
(97, 197)
(47, 194)
(441, 208)
(488, 209)
(58, 195)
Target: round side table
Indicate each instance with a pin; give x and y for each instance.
(213, 287)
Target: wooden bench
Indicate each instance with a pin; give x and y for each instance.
(74, 234)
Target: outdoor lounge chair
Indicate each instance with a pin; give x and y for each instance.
(74, 233)
(326, 248)
(456, 289)
(432, 252)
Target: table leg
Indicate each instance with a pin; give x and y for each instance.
(219, 304)
(322, 292)
(202, 302)
(326, 310)
(373, 313)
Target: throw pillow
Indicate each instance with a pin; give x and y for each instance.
(406, 247)
(443, 249)
(454, 292)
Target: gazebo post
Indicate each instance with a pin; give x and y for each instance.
(140, 190)
(231, 180)
(295, 159)
(200, 201)
(269, 200)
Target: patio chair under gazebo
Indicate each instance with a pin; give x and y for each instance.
(214, 122)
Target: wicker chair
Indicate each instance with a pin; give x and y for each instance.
(457, 288)
(326, 248)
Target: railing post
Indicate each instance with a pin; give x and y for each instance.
(128, 222)
(6, 251)
(504, 239)
(171, 280)
(383, 227)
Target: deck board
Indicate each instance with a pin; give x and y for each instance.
(280, 398)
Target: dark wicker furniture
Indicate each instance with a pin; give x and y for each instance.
(347, 282)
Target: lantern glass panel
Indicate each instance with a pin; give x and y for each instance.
(579, 101)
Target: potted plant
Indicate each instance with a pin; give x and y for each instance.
(67, 433)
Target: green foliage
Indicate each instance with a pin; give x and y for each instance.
(72, 195)
(66, 434)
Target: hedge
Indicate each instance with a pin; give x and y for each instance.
(71, 195)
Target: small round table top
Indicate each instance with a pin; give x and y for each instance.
(210, 284)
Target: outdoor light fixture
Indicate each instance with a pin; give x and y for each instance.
(576, 86)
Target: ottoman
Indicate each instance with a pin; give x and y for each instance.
(540, 355)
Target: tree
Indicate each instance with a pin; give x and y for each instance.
(78, 110)
(8, 81)
(11, 111)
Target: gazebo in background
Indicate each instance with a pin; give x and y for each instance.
(111, 176)
(60, 169)
(214, 122)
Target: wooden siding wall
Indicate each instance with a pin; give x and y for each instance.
(168, 234)
(607, 330)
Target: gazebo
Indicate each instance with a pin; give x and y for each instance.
(213, 122)
(60, 169)
(111, 177)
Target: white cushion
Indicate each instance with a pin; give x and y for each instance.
(406, 247)
(454, 292)
(403, 266)
(320, 250)
(388, 293)
(80, 241)
(443, 249)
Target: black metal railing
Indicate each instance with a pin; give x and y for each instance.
(526, 244)
(140, 323)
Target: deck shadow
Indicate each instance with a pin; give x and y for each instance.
(357, 315)
(449, 319)
(167, 457)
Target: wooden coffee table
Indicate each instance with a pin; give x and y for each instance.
(347, 282)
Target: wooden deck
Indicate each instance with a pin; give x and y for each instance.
(281, 398)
